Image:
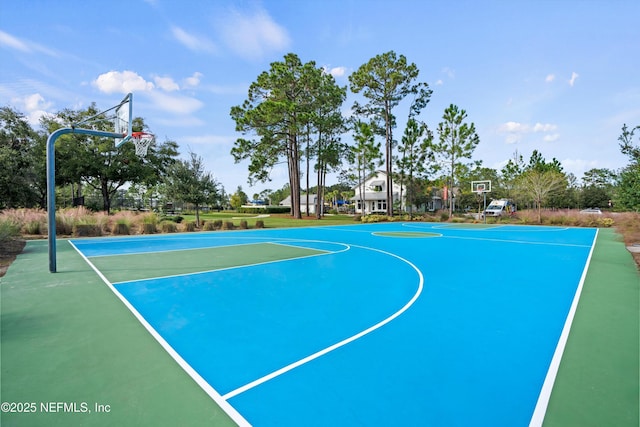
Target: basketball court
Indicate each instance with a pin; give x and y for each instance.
(317, 326)
(380, 324)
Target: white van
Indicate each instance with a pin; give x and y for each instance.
(500, 207)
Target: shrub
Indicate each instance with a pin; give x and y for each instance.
(121, 229)
(190, 226)
(265, 209)
(32, 227)
(64, 223)
(9, 228)
(243, 224)
(227, 225)
(149, 223)
(209, 226)
(149, 228)
(168, 226)
(87, 230)
(444, 216)
(217, 224)
(259, 223)
(376, 218)
(357, 218)
(605, 222)
(122, 226)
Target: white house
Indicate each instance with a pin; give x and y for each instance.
(313, 201)
(371, 195)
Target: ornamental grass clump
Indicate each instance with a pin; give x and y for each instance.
(168, 227)
(9, 228)
(149, 223)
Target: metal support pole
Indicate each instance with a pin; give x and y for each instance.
(51, 183)
(485, 207)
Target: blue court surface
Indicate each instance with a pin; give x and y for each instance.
(394, 324)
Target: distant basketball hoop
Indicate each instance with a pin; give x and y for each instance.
(481, 188)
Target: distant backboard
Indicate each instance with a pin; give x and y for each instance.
(481, 186)
(124, 120)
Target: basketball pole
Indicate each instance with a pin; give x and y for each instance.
(484, 193)
(51, 183)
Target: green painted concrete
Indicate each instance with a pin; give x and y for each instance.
(67, 338)
(119, 268)
(598, 380)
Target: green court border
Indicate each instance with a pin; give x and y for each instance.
(67, 338)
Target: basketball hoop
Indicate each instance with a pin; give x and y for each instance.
(142, 141)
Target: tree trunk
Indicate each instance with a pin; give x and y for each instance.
(295, 178)
(106, 197)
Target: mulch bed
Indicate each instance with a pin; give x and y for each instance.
(9, 249)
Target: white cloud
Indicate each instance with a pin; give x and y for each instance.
(252, 36)
(512, 127)
(517, 131)
(573, 79)
(439, 82)
(122, 82)
(33, 106)
(166, 83)
(337, 71)
(546, 127)
(13, 42)
(176, 104)
(194, 80)
(191, 42)
(449, 72)
(550, 78)
(512, 138)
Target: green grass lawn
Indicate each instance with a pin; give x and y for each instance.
(273, 220)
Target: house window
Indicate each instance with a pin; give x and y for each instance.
(382, 205)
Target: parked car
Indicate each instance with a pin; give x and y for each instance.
(591, 211)
(500, 207)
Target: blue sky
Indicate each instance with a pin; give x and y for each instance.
(558, 76)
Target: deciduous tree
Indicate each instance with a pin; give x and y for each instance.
(188, 181)
(540, 185)
(18, 175)
(97, 162)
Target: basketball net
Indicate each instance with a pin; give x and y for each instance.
(142, 141)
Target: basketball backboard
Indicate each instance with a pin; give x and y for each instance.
(481, 186)
(124, 119)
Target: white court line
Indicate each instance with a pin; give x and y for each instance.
(520, 242)
(224, 405)
(547, 387)
(342, 343)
